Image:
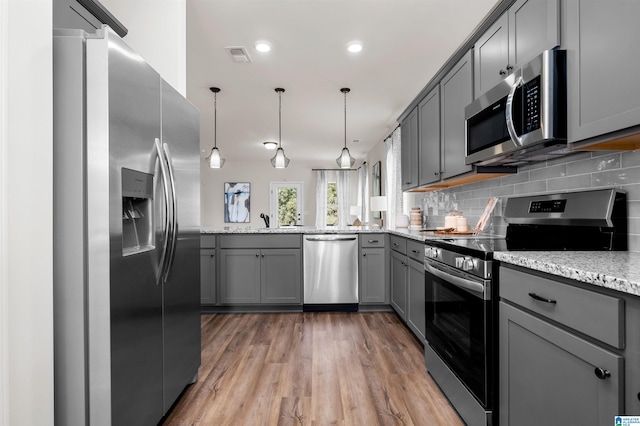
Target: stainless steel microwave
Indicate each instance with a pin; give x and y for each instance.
(522, 119)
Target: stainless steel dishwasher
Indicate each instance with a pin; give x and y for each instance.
(330, 272)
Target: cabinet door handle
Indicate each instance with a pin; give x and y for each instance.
(212, 254)
(407, 183)
(509, 67)
(364, 254)
(502, 72)
(542, 299)
(415, 251)
(396, 244)
(257, 254)
(601, 373)
(262, 254)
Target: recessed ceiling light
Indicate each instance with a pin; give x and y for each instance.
(263, 46)
(354, 47)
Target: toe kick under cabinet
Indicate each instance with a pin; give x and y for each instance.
(567, 354)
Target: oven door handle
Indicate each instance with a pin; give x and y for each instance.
(463, 283)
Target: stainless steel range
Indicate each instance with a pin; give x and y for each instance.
(461, 286)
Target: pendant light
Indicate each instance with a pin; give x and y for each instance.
(214, 160)
(279, 161)
(345, 161)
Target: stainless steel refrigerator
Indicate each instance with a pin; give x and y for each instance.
(126, 235)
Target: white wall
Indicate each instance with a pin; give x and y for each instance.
(158, 32)
(26, 194)
(375, 155)
(260, 174)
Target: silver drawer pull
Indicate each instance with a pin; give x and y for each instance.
(373, 241)
(416, 251)
(542, 299)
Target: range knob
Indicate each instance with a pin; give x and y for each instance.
(465, 263)
(431, 252)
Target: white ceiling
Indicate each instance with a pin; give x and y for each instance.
(405, 44)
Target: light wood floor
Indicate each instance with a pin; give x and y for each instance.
(311, 369)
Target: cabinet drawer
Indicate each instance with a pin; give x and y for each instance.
(207, 241)
(594, 314)
(398, 244)
(371, 240)
(260, 241)
(415, 250)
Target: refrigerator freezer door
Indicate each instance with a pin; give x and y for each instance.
(181, 133)
(123, 121)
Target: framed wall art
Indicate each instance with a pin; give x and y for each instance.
(237, 202)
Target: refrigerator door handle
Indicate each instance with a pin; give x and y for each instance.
(174, 212)
(167, 206)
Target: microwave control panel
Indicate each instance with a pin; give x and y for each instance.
(531, 98)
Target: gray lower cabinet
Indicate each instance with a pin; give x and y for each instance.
(599, 36)
(555, 367)
(240, 276)
(280, 272)
(416, 318)
(373, 277)
(260, 269)
(207, 276)
(455, 94)
(267, 276)
(399, 283)
(208, 269)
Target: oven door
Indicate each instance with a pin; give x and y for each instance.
(459, 326)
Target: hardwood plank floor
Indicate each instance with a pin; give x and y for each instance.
(311, 369)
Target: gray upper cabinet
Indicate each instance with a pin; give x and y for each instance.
(524, 31)
(491, 56)
(456, 94)
(429, 138)
(600, 37)
(409, 150)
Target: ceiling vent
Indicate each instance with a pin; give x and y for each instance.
(238, 53)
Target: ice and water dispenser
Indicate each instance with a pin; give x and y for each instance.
(137, 212)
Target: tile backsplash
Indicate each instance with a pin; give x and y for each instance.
(580, 171)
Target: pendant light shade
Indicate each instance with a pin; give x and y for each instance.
(214, 160)
(279, 161)
(345, 161)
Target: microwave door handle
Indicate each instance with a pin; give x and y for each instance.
(509, 112)
(165, 184)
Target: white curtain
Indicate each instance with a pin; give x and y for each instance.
(343, 187)
(394, 180)
(363, 192)
(321, 199)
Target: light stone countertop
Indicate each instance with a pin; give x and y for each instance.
(617, 270)
(404, 232)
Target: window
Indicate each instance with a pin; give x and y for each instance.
(332, 204)
(286, 204)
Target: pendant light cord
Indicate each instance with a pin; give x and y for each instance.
(345, 118)
(215, 119)
(279, 119)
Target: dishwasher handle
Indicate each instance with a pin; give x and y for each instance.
(330, 238)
